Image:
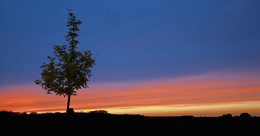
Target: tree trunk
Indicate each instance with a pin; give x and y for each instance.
(68, 104)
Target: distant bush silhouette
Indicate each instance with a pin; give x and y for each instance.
(226, 115)
(245, 115)
(24, 113)
(33, 113)
(99, 112)
(9, 113)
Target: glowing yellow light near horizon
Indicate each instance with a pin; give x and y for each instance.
(217, 109)
(178, 110)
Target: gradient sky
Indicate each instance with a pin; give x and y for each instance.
(155, 57)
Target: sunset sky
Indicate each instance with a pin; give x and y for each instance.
(153, 57)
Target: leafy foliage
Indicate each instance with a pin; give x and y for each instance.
(69, 70)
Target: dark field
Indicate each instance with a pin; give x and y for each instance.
(110, 123)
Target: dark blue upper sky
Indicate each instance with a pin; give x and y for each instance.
(134, 39)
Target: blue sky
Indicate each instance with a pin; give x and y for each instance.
(135, 40)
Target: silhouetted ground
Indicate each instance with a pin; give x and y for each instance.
(129, 124)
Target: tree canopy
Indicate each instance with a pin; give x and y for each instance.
(68, 70)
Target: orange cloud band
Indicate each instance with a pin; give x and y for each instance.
(204, 90)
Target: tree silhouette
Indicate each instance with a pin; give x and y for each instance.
(69, 70)
(245, 115)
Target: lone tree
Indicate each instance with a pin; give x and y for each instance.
(69, 70)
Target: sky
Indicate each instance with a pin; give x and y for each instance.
(153, 57)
